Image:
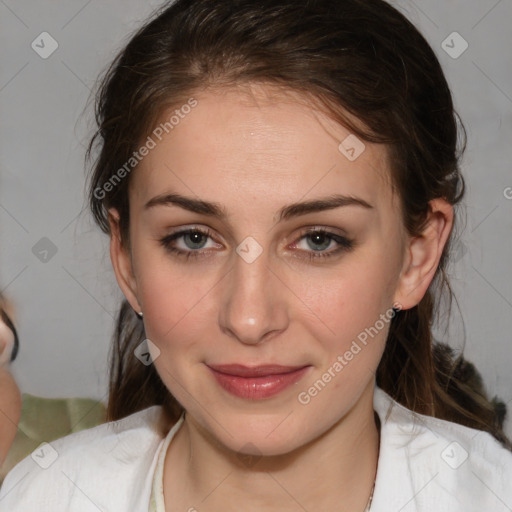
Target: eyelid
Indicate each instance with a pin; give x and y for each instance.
(184, 230)
(335, 234)
(344, 242)
(322, 229)
(191, 227)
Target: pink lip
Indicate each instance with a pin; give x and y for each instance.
(258, 381)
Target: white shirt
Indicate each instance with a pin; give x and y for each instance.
(425, 464)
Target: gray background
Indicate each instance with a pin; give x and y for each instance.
(66, 300)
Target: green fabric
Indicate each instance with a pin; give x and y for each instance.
(47, 419)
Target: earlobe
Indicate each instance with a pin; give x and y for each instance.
(423, 255)
(122, 262)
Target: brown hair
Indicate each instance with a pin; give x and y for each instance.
(357, 56)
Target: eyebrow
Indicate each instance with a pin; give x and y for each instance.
(293, 210)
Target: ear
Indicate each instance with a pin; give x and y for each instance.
(122, 261)
(423, 254)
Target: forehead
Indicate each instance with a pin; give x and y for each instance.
(259, 141)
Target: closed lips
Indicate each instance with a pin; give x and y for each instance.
(255, 371)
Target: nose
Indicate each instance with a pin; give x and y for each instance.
(253, 305)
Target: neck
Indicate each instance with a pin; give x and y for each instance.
(333, 472)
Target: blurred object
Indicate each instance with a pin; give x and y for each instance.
(46, 419)
(9, 342)
(10, 398)
(10, 408)
(8, 335)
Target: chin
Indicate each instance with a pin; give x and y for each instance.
(258, 435)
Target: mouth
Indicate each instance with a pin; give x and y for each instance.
(256, 382)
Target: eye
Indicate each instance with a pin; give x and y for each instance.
(315, 242)
(189, 243)
(312, 244)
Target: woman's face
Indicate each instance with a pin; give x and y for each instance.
(257, 174)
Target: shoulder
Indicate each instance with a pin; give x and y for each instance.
(439, 464)
(88, 467)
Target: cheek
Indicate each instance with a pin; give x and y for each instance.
(350, 314)
(176, 322)
(351, 298)
(170, 297)
(173, 309)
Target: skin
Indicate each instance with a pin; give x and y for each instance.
(10, 396)
(254, 150)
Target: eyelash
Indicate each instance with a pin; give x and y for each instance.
(344, 243)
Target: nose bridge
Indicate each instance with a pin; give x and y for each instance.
(252, 305)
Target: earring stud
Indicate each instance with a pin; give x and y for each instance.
(140, 314)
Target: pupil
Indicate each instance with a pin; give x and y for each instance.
(195, 239)
(320, 239)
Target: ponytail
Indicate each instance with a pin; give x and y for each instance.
(427, 377)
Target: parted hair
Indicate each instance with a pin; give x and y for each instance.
(370, 69)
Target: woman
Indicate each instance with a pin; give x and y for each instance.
(278, 180)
